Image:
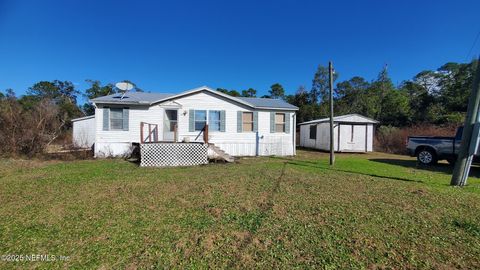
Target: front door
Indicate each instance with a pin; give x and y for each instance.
(170, 125)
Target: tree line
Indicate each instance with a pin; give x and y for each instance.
(32, 122)
(432, 96)
(43, 114)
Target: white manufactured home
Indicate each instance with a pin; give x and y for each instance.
(238, 126)
(352, 133)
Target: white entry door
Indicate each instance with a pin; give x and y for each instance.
(170, 124)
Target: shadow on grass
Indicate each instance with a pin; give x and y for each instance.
(441, 167)
(412, 164)
(318, 166)
(468, 226)
(326, 152)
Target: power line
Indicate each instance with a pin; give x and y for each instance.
(473, 46)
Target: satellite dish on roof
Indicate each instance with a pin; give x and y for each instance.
(124, 87)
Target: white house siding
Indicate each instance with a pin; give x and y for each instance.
(231, 141)
(113, 149)
(83, 134)
(117, 142)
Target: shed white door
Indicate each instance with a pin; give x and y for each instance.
(355, 138)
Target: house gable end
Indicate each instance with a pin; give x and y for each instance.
(208, 90)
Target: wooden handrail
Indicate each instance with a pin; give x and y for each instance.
(151, 132)
(155, 133)
(205, 133)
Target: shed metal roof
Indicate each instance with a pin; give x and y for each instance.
(83, 118)
(142, 98)
(348, 118)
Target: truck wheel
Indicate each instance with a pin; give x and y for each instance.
(427, 157)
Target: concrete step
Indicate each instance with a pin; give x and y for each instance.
(221, 153)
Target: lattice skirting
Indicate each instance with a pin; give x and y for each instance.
(173, 154)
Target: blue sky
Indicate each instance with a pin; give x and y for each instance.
(171, 46)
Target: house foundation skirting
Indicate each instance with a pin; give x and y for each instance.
(173, 154)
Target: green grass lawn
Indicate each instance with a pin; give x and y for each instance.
(369, 211)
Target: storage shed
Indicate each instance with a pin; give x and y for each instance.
(352, 133)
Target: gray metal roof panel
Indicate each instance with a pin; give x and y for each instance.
(268, 103)
(149, 98)
(133, 97)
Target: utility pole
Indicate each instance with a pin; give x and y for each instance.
(469, 135)
(332, 154)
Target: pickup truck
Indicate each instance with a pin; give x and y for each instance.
(429, 150)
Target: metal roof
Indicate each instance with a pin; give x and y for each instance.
(142, 98)
(132, 98)
(344, 119)
(83, 118)
(268, 103)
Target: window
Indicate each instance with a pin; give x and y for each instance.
(279, 122)
(247, 121)
(214, 120)
(351, 135)
(313, 132)
(200, 119)
(116, 118)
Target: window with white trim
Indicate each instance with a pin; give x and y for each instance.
(247, 121)
(200, 119)
(214, 120)
(116, 118)
(279, 122)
